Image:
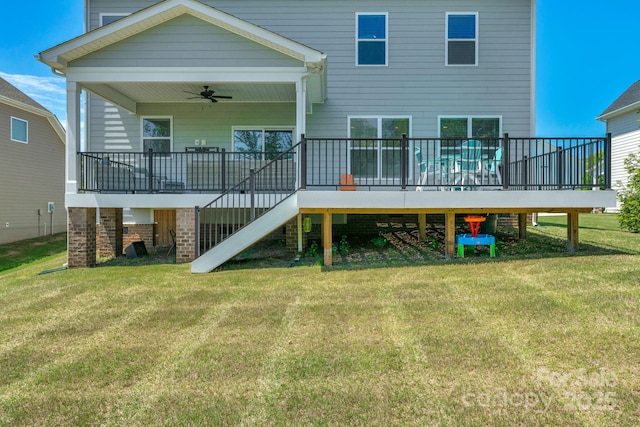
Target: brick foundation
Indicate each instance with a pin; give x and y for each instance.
(185, 235)
(137, 233)
(81, 238)
(109, 233)
(291, 237)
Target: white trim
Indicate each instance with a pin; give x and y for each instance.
(53, 120)
(386, 39)
(533, 116)
(101, 17)
(379, 148)
(262, 129)
(470, 118)
(446, 39)
(59, 56)
(620, 111)
(186, 74)
(26, 136)
(142, 137)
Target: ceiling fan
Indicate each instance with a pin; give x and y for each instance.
(207, 94)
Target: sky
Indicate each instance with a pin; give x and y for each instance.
(588, 53)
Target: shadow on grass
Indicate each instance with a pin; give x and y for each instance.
(18, 253)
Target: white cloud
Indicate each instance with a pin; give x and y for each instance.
(48, 91)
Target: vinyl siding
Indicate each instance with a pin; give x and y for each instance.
(188, 42)
(416, 81)
(190, 122)
(625, 139)
(32, 175)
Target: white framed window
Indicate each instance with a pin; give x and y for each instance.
(19, 130)
(376, 158)
(157, 134)
(108, 18)
(262, 143)
(469, 126)
(372, 38)
(461, 32)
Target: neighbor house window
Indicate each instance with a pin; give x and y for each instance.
(108, 18)
(157, 134)
(375, 150)
(371, 38)
(462, 39)
(469, 127)
(261, 143)
(19, 130)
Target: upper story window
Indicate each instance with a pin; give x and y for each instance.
(157, 134)
(371, 38)
(108, 18)
(19, 130)
(462, 38)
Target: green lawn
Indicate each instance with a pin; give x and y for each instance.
(540, 338)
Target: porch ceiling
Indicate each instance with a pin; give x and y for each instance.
(168, 92)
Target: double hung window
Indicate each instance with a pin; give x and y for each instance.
(463, 127)
(375, 146)
(19, 130)
(462, 38)
(371, 39)
(157, 134)
(261, 143)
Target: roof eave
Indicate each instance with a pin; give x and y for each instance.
(57, 57)
(53, 120)
(615, 113)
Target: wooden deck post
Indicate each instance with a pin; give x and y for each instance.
(572, 231)
(449, 234)
(422, 227)
(327, 238)
(522, 226)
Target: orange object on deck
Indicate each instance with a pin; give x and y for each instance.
(474, 224)
(347, 183)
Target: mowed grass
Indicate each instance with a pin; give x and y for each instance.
(536, 340)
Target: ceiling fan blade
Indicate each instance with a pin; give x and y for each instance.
(192, 93)
(221, 97)
(212, 99)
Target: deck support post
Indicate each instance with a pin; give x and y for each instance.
(572, 231)
(327, 238)
(422, 227)
(449, 234)
(522, 226)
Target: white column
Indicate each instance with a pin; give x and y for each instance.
(73, 137)
(301, 107)
(301, 115)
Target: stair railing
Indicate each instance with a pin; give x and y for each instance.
(248, 200)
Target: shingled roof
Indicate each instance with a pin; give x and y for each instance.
(10, 91)
(629, 97)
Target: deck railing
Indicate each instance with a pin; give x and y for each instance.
(388, 163)
(252, 197)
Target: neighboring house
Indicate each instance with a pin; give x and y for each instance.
(186, 98)
(31, 168)
(622, 120)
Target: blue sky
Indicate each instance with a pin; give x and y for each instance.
(588, 54)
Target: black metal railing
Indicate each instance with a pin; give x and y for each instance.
(387, 163)
(262, 190)
(177, 172)
(463, 163)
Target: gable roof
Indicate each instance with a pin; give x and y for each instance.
(629, 100)
(12, 96)
(7, 90)
(59, 56)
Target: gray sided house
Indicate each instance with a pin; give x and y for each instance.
(622, 120)
(224, 120)
(31, 168)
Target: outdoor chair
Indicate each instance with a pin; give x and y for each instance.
(468, 164)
